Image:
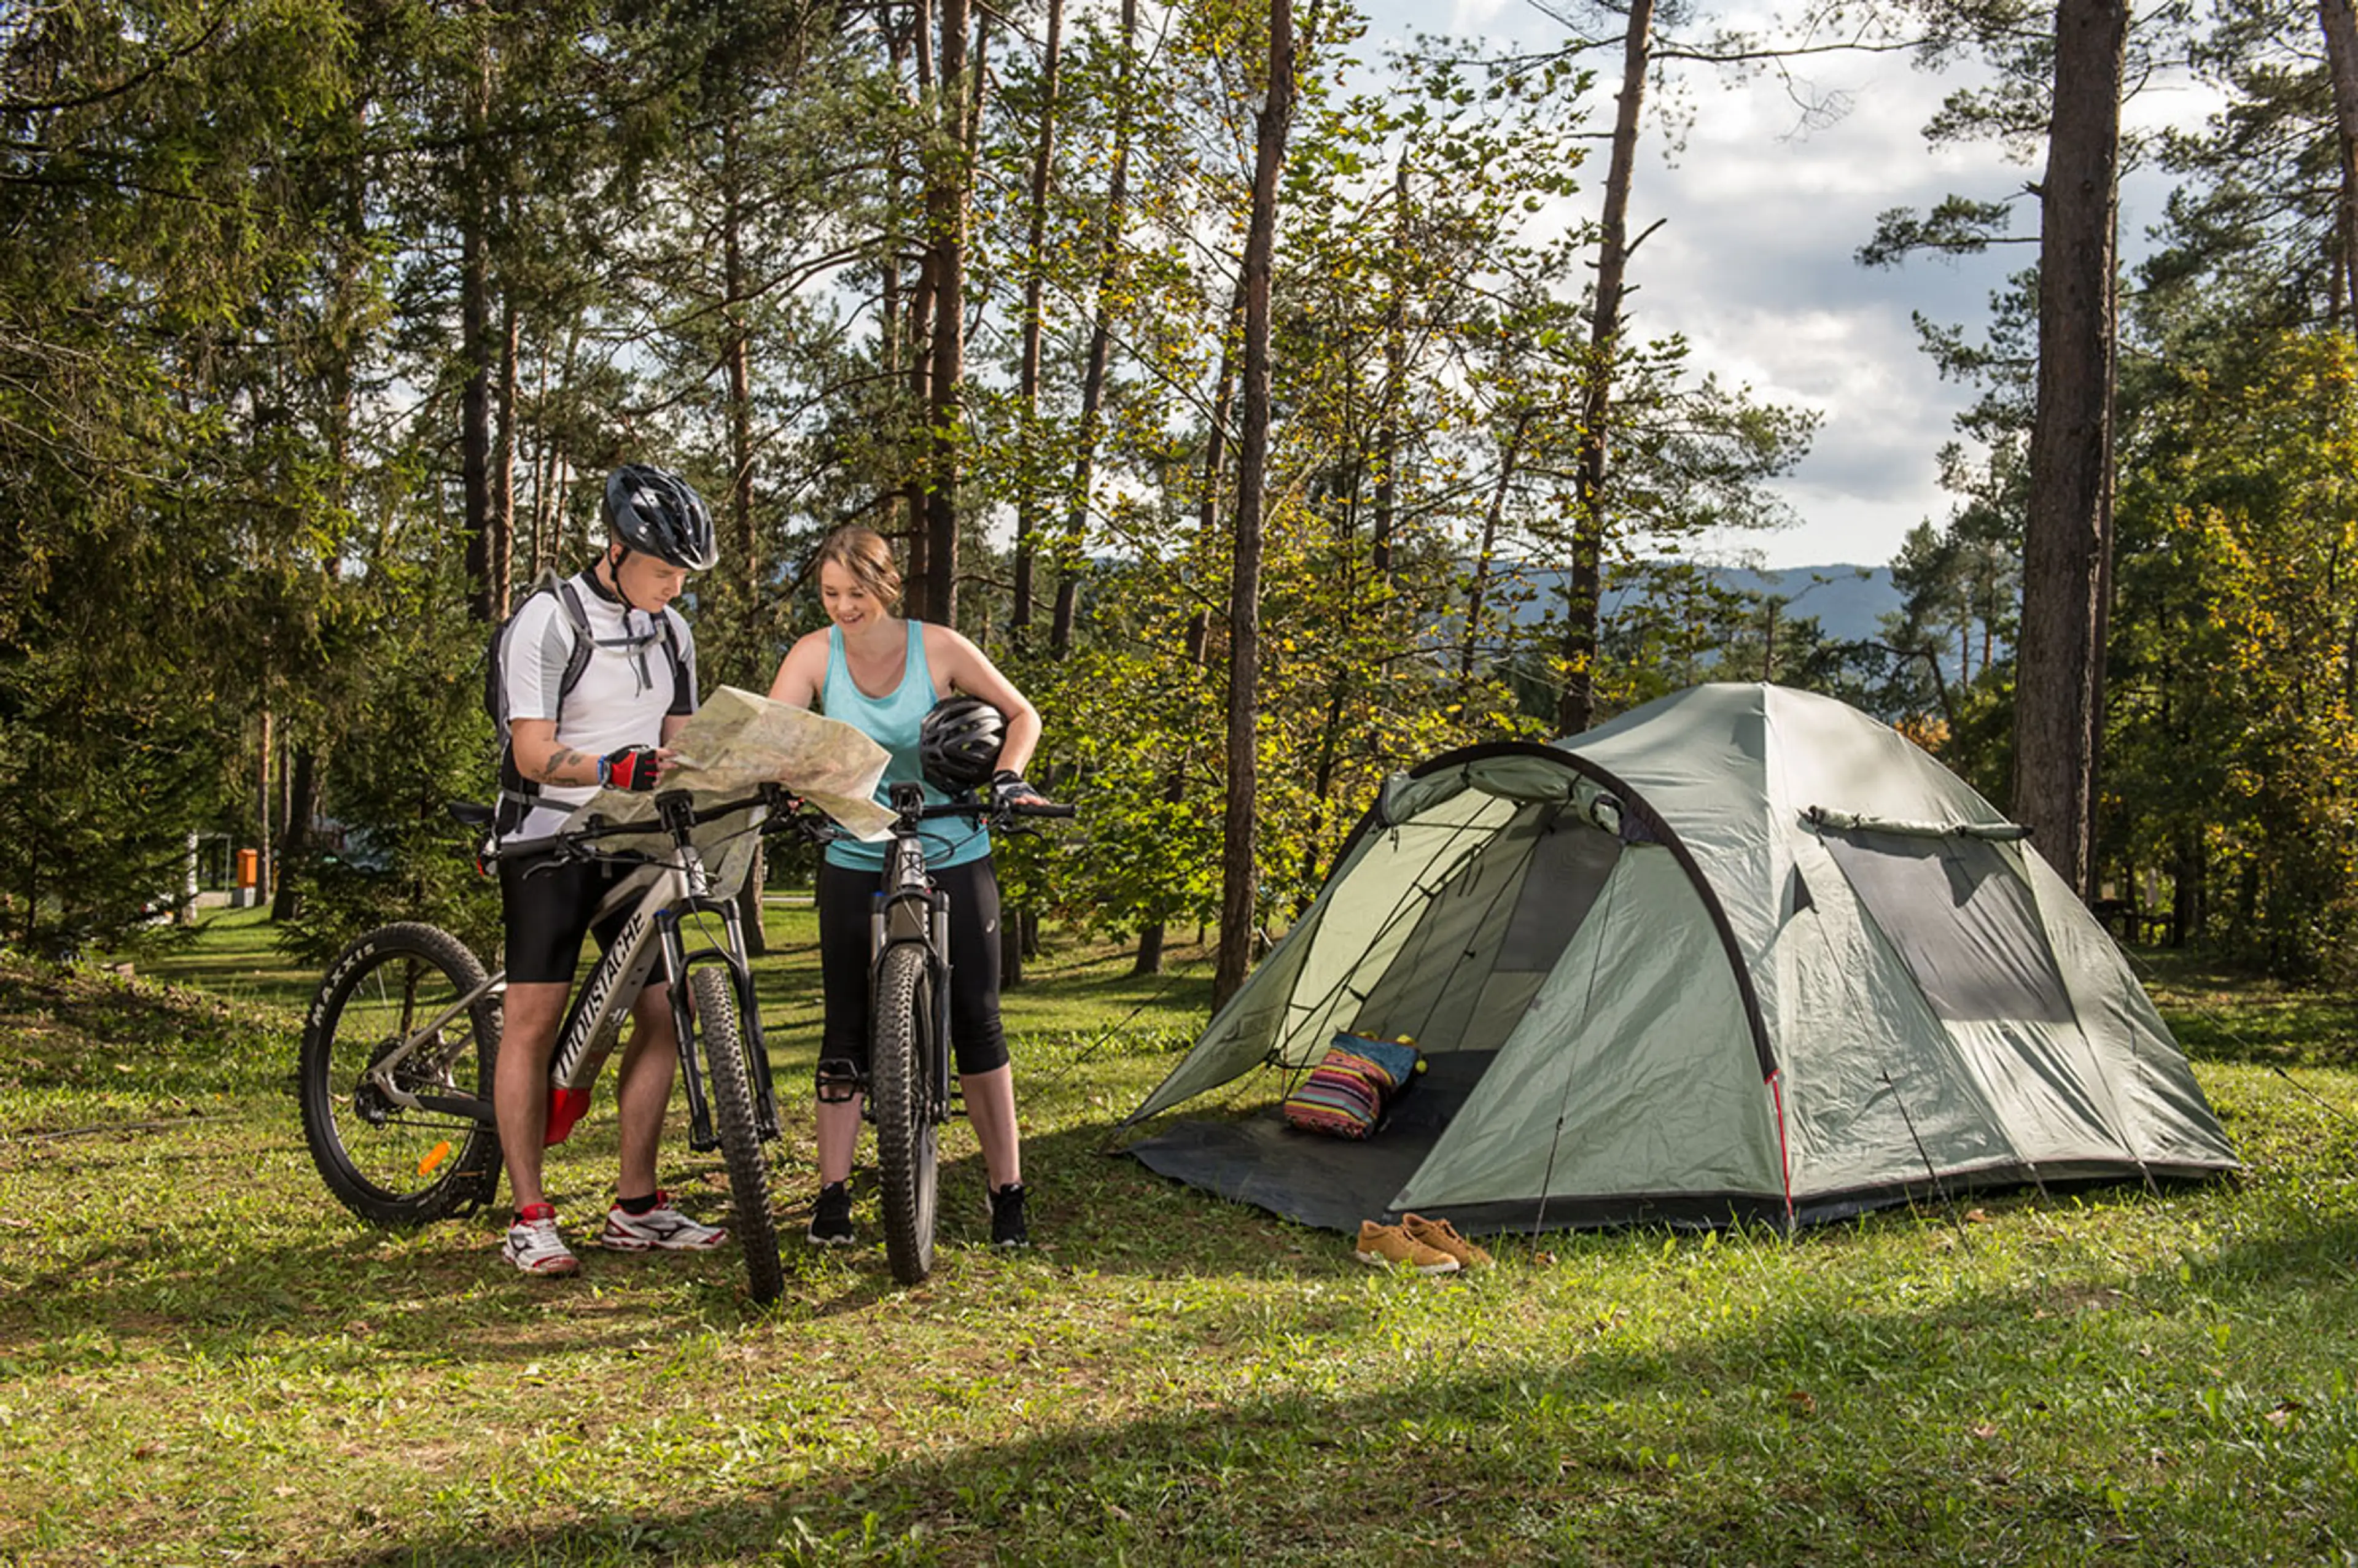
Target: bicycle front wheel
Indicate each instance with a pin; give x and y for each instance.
(720, 1043)
(396, 996)
(900, 1077)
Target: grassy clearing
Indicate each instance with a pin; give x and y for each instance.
(202, 1360)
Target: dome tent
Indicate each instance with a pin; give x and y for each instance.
(1741, 953)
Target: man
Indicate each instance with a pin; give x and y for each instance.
(573, 727)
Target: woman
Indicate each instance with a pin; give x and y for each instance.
(880, 673)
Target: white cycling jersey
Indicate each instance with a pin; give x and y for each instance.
(623, 695)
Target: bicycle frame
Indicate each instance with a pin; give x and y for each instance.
(661, 894)
(910, 909)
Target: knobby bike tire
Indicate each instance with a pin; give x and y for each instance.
(728, 1070)
(388, 1164)
(908, 1140)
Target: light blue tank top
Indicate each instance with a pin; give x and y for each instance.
(893, 722)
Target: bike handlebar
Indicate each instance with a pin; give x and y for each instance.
(573, 842)
(789, 812)
(1044, 808)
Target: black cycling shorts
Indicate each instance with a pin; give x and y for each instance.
(845, 899)
(546, 909)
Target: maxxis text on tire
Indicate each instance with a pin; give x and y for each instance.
(390, 1164)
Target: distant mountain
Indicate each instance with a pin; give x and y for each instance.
(1847, 601)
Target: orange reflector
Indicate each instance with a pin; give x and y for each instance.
(434, 1156)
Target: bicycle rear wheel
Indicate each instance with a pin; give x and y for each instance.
(389, 1163)
(720, 1044)
(901, 1079)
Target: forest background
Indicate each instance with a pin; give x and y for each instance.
(1237, 386)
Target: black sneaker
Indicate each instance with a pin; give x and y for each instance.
(830, 1223)
(1007, 1228)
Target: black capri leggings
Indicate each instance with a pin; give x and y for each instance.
(847, 896)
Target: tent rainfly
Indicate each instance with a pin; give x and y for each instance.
(1741, 954)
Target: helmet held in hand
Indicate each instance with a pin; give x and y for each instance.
(959, 743)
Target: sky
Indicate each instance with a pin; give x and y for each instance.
(1754, 263)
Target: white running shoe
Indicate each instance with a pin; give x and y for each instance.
(662, 1229)
(534, 1246)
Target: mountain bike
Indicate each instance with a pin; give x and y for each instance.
(401, 1039)
(908, 1084)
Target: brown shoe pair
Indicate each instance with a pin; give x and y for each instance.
(1442, 1236)
(1428, 1246)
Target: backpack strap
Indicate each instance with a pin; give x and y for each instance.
(671, 651)
(579, 659)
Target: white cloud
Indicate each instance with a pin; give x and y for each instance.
(1754, 262)
(1473, 18)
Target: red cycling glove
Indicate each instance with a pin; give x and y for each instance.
(631, 768)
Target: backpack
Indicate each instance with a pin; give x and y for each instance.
(516, 792)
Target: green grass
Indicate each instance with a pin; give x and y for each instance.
(203, 1361)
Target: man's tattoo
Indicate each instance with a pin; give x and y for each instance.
(559, 760)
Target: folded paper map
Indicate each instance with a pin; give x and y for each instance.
(737, 742)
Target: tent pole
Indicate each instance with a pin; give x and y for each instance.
(1563, 1106)
(1940, 1188)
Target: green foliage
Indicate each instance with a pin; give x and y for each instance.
(1136, 736)
(152, 488)
(261, 250)
(411, 737)
(2251, 235)
(110, 783)
(2234, 721)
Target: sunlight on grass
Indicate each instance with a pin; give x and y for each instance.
(203, 1359)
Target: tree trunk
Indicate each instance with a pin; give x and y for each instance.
(1027, 388)
(1239, 885)
(484, 548)
(1151, 937)
(294, 831)
(2186, 889)
(263, 879)
(749, 902)
(1093, 371)
(540, 549)
(2066, 535)
(744, 574)
(475, 424)
(1322, 780)
(1174, 786)
(1395, 377)
(1493, 518)
(889, 303)
(1584, 591)
(917, 563)
(946, 189)
(504, 452)
(2340, 25)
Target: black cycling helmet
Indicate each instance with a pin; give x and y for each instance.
(657, 515)
(958, 743)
